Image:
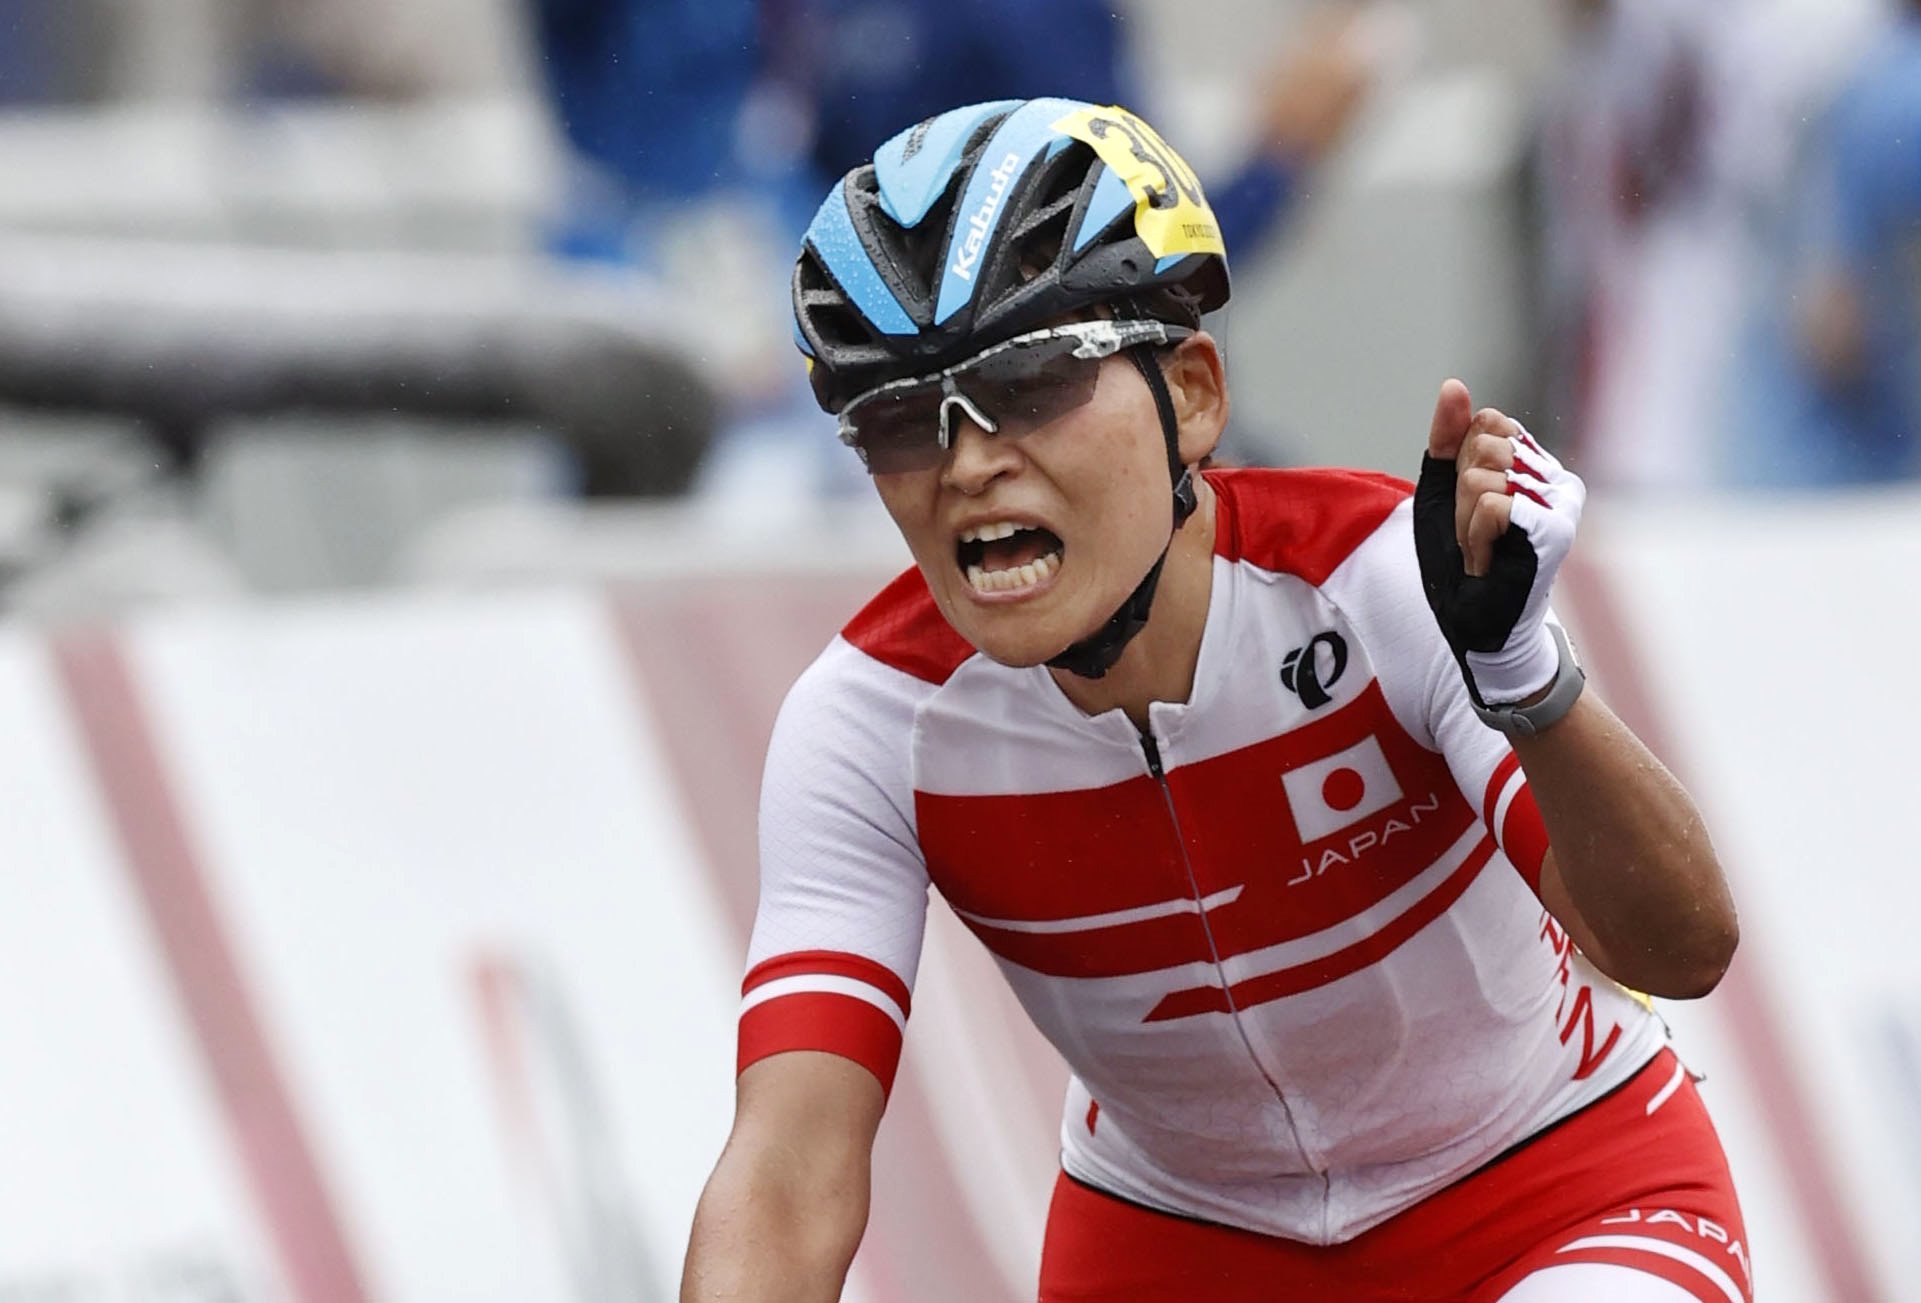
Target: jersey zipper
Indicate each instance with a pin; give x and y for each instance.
(1152, 749)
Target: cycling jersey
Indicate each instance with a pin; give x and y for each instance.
(1286, 937)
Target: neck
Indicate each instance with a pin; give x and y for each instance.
(1158, 664)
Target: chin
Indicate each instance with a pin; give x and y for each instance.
(1003, 641)
(1019, 634)
(1017, 657)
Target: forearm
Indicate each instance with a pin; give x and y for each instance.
(764, 1234)
(1629, 855)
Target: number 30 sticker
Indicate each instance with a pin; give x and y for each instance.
(1170, 215)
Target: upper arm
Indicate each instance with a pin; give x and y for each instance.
(843, 899)
(830, 969)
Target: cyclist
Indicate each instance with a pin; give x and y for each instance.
(1275, 794)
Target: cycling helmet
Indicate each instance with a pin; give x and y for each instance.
(993, 219)
(989, 220)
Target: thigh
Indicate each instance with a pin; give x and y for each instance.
(1101, 1247)
(1685, 1242)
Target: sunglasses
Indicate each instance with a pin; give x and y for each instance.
(1010, 390)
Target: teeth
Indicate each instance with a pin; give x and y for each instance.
(1025, 576)
(988, 533)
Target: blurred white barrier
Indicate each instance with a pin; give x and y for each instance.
(474, 174)
(389, 948)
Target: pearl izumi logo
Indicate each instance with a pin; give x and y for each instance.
(1308, 673)
(982, 219)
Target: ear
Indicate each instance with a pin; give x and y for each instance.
(1197, 383)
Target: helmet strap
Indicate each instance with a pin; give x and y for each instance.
(1092, 657)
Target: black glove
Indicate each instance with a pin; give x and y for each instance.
(1496, 623)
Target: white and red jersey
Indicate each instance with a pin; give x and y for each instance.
(1280, 937)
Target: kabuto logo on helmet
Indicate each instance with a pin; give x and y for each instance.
(982, 219)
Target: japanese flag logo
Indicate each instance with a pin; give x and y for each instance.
(1330, 794)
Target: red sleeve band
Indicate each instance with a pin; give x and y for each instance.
(827, 1000)
(1522, 835)
(836, 963)
(825, 1021)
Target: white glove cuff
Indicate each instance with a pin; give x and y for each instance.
(1518, 671)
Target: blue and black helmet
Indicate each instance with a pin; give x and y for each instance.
(989, 220)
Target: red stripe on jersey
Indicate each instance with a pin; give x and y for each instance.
(1497, 784)
(839, 963)
(1675, 1273)
(825, 1021)
(1061, 858)
(903, 628)
(1300, 522)
(1331, 968)
(1524, 837)
(1101, 952)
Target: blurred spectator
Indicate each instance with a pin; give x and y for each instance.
(37, 51)
(680, 98)
(876, 65)
(67, 51)
(1831, 394)
(746, 111)
(651, 93)
(1621, 163)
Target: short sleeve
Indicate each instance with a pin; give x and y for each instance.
(843, 886)
(1378, 588)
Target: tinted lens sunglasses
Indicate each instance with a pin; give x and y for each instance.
(1009, 390)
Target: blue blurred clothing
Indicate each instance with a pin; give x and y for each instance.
(1862, 220)
(653, 90)
(884, 64)
(880, 65)
(33, 59)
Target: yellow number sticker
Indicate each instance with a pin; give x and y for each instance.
(1170, 213)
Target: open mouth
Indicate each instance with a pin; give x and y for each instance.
(1002, 557)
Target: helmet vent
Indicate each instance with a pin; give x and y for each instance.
(1038, 239)
(837, 324)
(915, 139)
(821, 305)
(908, 256)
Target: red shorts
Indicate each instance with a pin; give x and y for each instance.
(1635, 1182)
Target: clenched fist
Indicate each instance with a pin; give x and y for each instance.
(1494, 517)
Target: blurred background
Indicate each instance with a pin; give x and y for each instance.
(412, 512)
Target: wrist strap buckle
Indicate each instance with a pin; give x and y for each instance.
(1529, 721)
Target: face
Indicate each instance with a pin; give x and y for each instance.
(1029, 545)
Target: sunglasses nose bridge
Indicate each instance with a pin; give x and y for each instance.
(954, 398)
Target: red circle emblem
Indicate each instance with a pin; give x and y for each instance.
(1343, 789)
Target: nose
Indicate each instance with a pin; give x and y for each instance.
(975, 458)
